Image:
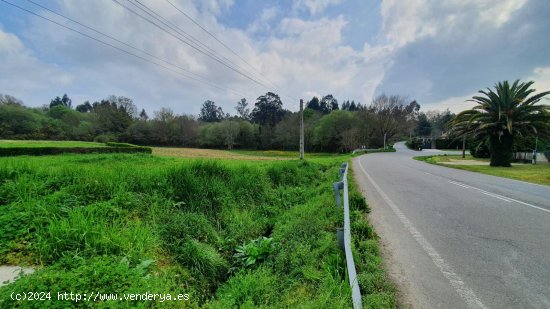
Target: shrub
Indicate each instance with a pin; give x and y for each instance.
(447, 143)
(414, 143)
(104, 138)
(479, 150)
(249, 289)
(256, 251)
(203, 260)
(44, 151)
(547, 155)
(116, 144)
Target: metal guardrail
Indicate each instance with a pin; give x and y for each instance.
(346, 237)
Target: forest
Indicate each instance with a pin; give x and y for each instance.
(265, 124)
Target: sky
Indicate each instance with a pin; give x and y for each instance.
(437, 52)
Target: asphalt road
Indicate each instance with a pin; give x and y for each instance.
(457, 239)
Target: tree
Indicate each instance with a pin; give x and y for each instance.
(242, 109)
(334, 131)
(268, 110)
(143, 115)
(64, 101)
(210, 112)
(114, 114)
(125, 105)
(392, 116)
(423, 126)
(314, 104)
(85, 107)
(7, 99)
(501, 115)
(328, 104)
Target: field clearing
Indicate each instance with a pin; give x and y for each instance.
(198, 153)
(124, 223)
(32, 143)
(539, 173)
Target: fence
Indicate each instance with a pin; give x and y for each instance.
(344, 236)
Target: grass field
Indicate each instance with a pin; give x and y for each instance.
(230, 233)
(30, 143)
(539, 174)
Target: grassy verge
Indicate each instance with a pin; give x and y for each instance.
(38, 144)
(227, 233)
(539, 174)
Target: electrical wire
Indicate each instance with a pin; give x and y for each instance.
(123, 50)
(223, 44)
(191, 45)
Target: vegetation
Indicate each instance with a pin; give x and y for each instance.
(539, 174)
(502, 115)
(267, 126)
(228, 233)
(414, 143)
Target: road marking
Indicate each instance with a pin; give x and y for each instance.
(485, 192)
(460, 287)
(505, 198)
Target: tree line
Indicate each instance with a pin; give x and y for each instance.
(266, 124)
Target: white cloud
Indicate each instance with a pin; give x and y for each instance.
(23, 73)
(541, 77)
(314, 6)
(305, 57)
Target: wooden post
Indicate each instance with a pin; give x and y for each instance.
(464, 147)
(301, 129)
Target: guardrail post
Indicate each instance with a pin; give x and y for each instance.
(336, 187)
(340, 236)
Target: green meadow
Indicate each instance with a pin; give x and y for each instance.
(228, 233)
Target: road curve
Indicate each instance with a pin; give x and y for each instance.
(458, 239)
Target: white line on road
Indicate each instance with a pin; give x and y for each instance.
(483, 192)
(508, 199)
(464, 291)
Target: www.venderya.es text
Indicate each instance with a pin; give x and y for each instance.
(97, 296)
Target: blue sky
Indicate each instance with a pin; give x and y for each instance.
(436, 52)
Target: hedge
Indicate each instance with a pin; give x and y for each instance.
(116, 144)
(43, 151)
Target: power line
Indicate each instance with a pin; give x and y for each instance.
(191, 45)
(123, 43)
(182, 32)
(123, 50)
(219, 41)
(209, 51)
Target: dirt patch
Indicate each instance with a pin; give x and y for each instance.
(209, 154)
(465, 162)
(9, 273)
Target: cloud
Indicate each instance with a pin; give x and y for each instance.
(467, 50)
(314, 6)
(437, 52)
(23, 73)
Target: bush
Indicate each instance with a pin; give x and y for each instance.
(116, 144)
(256, 251)
(414, 143)
(45, 151)
(447, 143)
(104, 138)
(479, 150)
(547, 155)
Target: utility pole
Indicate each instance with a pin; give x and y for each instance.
(464, 147)
(536, 148)
(301, 129)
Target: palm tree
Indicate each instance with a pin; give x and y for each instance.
(502, 114)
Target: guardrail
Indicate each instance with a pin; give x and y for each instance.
(344, 236)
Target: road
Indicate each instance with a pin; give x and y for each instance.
(457, 239)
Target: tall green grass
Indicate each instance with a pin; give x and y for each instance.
(121, 222)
